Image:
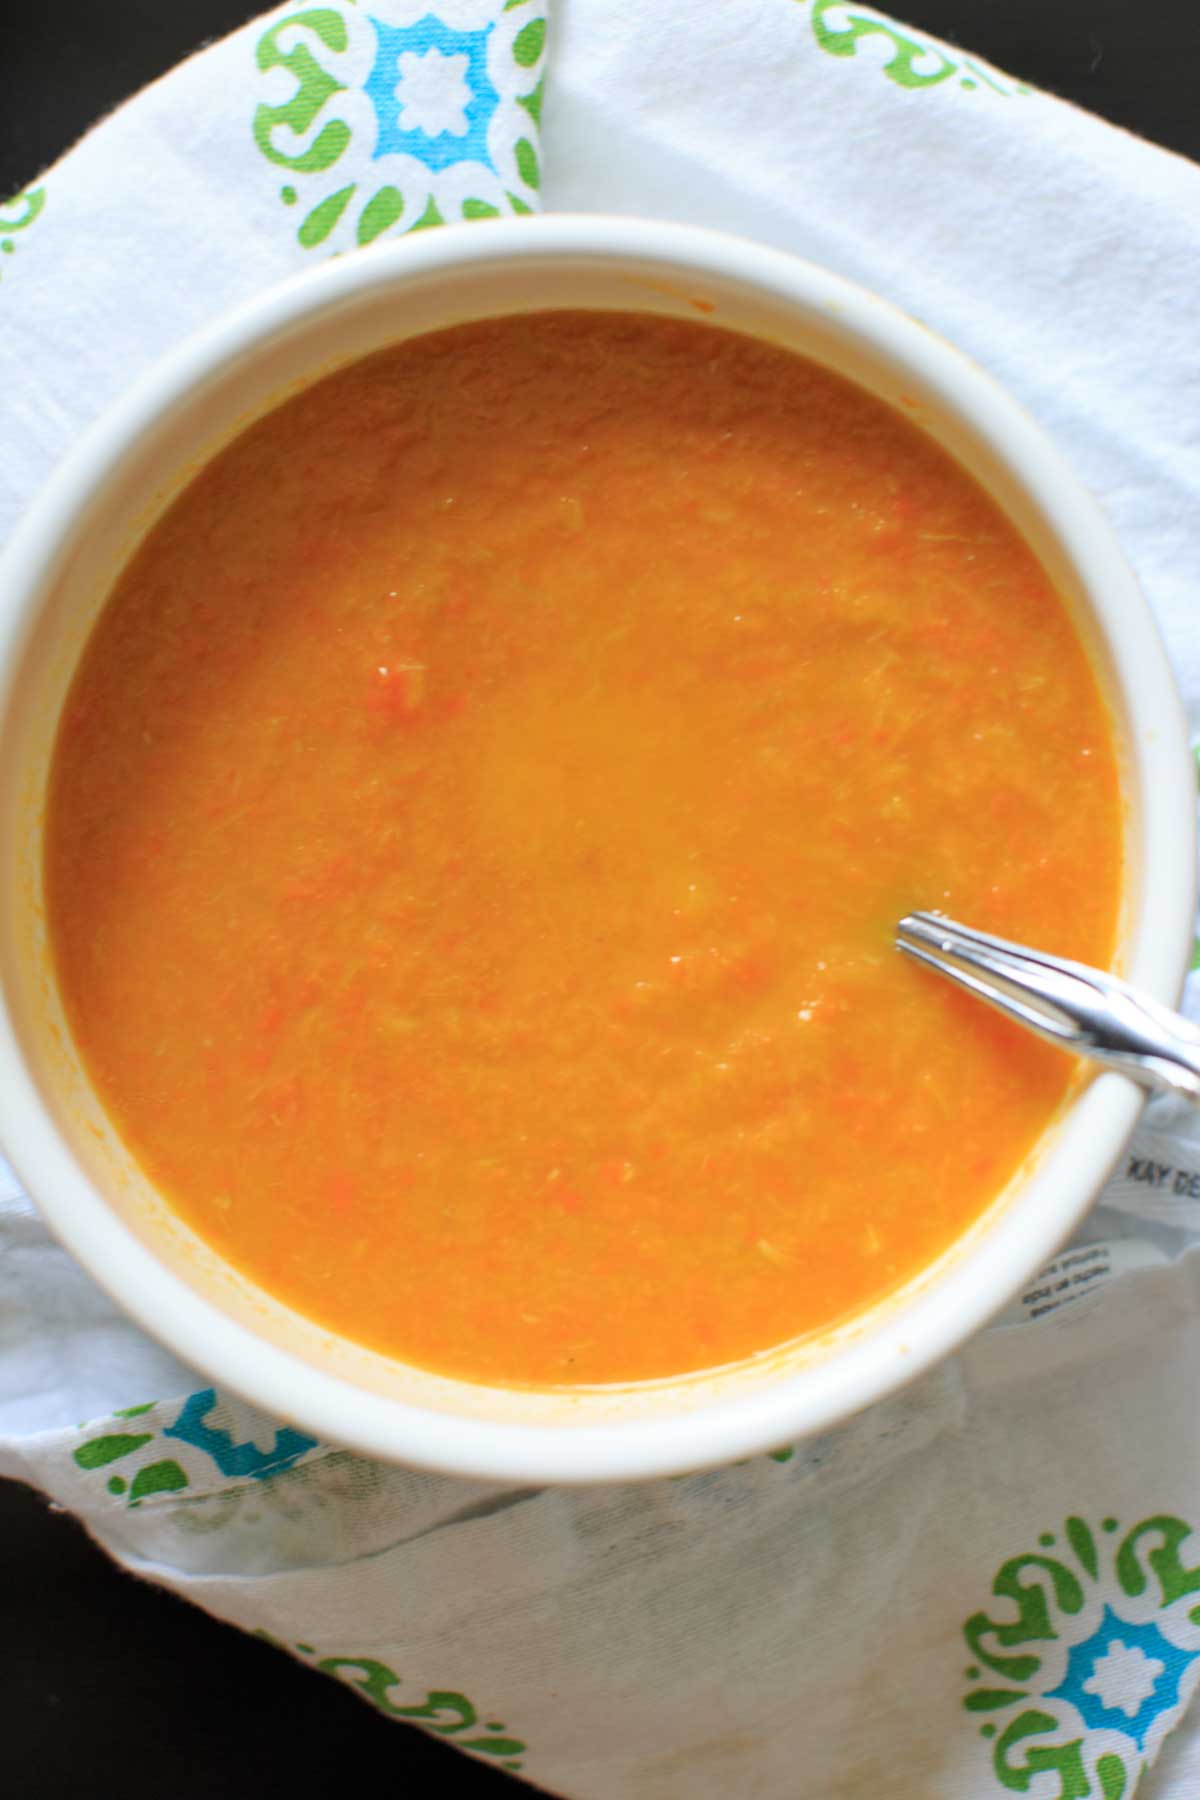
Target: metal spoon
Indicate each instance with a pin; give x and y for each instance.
(1076, 1007)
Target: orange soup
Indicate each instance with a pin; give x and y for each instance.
(479, 822)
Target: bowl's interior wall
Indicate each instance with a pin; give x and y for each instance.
(140, 488)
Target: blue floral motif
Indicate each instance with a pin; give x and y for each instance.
(1123, 1685)
(383, 85)
(235, 1459)
(1083, 1658)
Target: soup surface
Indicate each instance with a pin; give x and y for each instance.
(479, 822)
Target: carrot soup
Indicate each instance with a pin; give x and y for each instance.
(478, 825)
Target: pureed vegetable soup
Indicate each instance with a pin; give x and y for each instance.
(479, 822)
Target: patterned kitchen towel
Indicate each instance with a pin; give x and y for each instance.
(313, 132)
(991, 1583)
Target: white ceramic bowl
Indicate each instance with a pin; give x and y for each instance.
(55, 577)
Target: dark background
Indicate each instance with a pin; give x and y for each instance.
(1135, 61)
(108, 1686)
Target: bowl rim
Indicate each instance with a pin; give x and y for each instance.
(1034, 1222)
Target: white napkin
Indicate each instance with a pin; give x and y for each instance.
(985, 1585)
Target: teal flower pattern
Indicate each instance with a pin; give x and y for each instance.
(457, 131)
(1084, 1681)
(396, 117)
(168, 1448)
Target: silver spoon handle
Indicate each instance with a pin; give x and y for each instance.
(1076, 1007)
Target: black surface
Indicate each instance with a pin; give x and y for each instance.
(1134, 61)
(108, 1686)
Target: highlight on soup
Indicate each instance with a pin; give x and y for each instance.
(478, 825)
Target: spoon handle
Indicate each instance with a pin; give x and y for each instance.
(1076, 1007)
